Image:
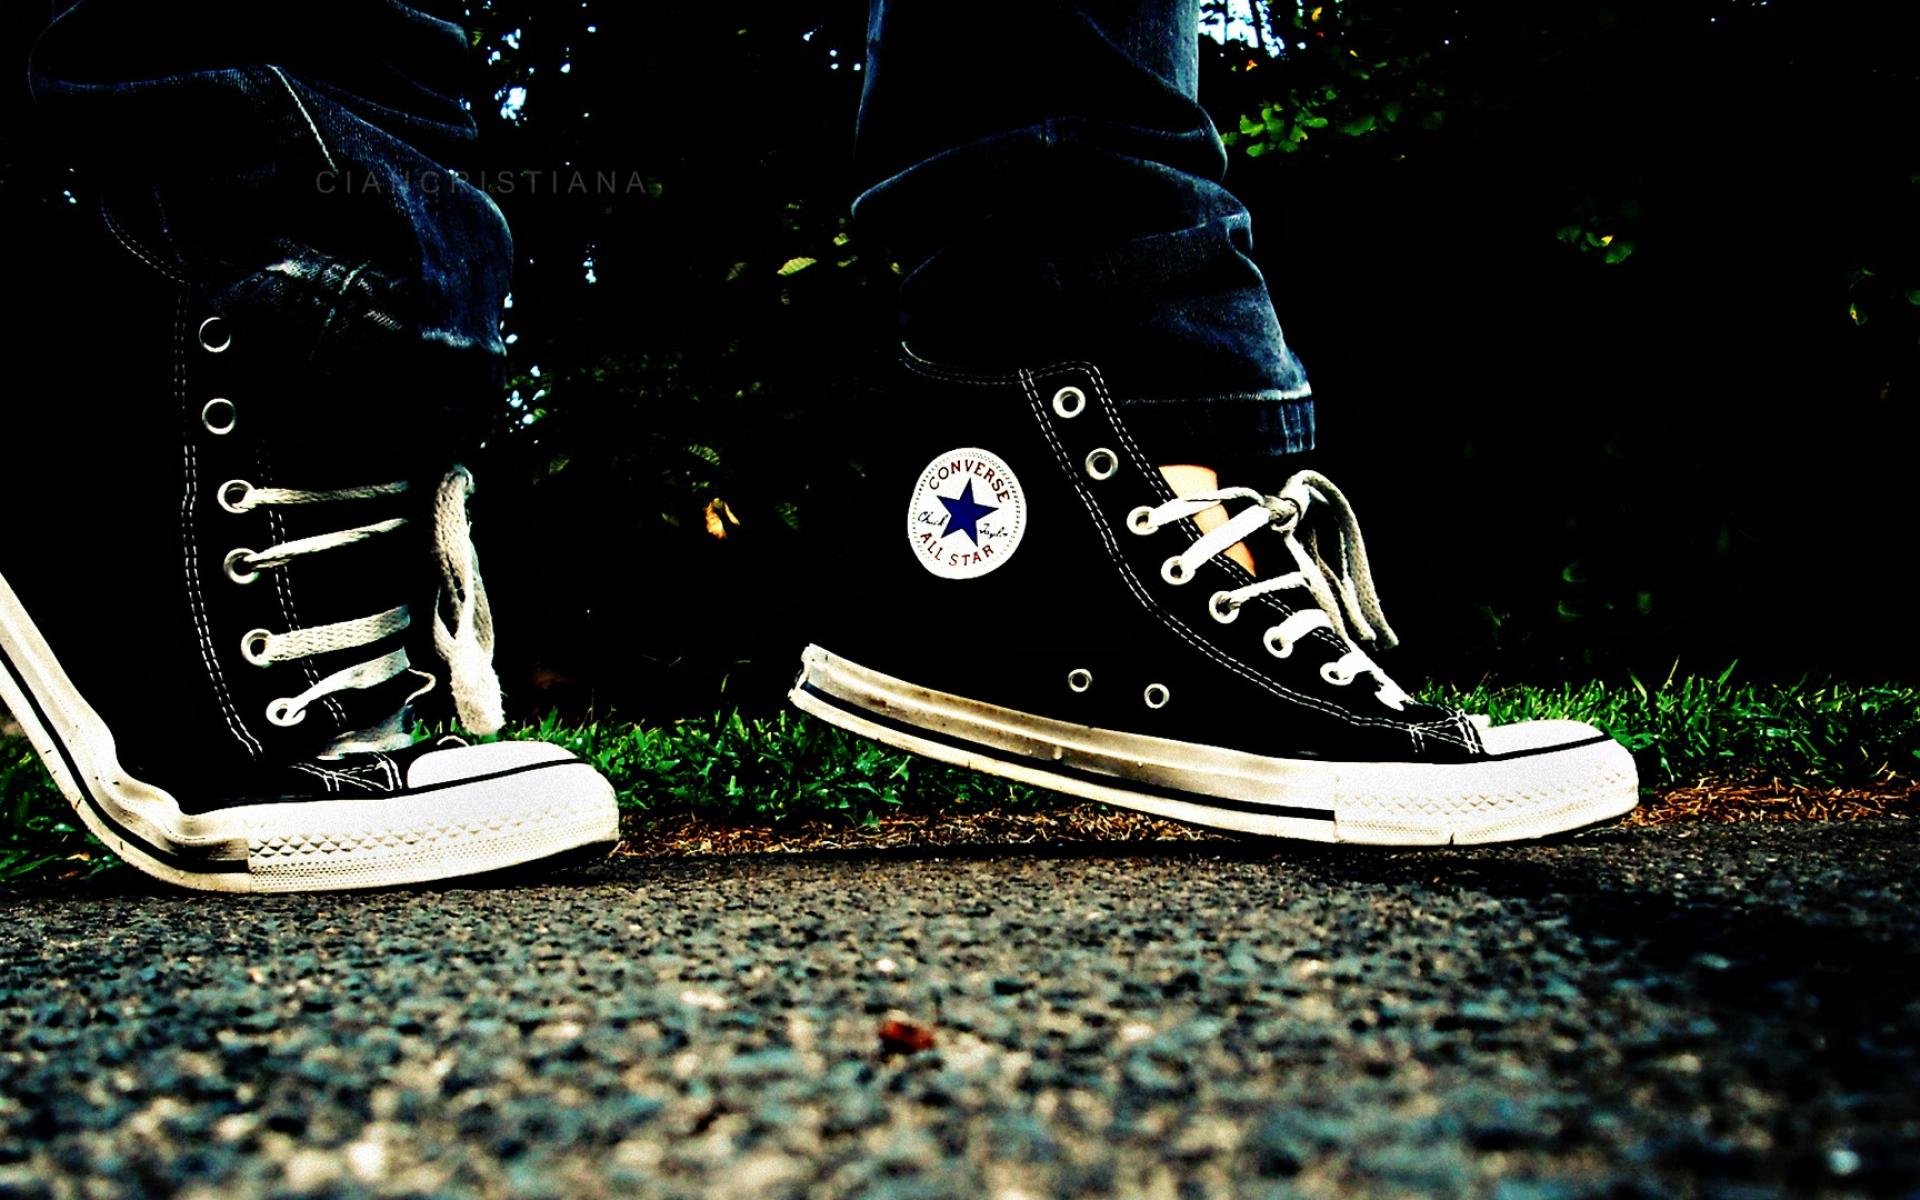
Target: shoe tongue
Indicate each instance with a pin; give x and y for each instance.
(346, 390)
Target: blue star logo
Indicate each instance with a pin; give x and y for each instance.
(964, 513)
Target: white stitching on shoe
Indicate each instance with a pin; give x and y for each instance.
(1158, 485)
(134, 248)
(1235, 570)
(1155, 482)
(935, 371)
(283, 588)
(1346, 602)
(466, 644)
(338, 779)
(1468, 732)
(393, 771)
(195, 600)
(1163, 492)
(1028, 382)
(1140, 593)
(326, 777)
(324, 639)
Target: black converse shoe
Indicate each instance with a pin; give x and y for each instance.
(217, 600)
(1051, 613)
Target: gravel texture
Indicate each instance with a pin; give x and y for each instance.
(1722, 1011)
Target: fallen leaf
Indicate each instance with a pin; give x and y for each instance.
(904, 1037)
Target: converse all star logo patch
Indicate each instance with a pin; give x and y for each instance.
(967, 514)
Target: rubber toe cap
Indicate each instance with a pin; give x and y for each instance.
(1526, 736)
(438, 768)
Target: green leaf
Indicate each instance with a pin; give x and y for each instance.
(794, 266)
(1357, 128)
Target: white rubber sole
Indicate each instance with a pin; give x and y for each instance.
(1575, 778)
(502, 805)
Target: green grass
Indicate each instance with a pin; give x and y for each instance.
(766, 768)
(38, 831)
(1683, 729)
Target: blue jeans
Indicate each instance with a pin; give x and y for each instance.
(1051, 188)
(1040, 169)
(296, 175)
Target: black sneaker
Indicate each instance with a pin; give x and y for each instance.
(218, 599)
(1051, 613)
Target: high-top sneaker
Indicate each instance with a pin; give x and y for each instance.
(1033, 601)
(229, 571)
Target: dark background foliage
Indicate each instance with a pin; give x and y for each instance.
(1612, 313)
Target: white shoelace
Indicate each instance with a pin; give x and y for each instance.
(466, 644)
(1346, 605)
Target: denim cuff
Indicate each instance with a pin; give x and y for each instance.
(1208, 430)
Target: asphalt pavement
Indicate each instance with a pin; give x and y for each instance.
(1712, 1011)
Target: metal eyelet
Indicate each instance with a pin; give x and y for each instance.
(1277, 647)
(1069, 402)
(234, 557)
(214, 335)
(282, 713)
(1156, 695)
(1079, 679)
(233, 496)
(1176, 571)
(1221, 605)
(1140, 520)
(219, 416)
(253, 647)
(1331, 673)
(1102, 463)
